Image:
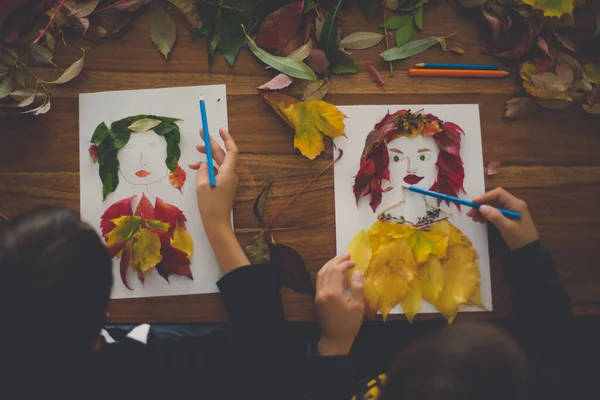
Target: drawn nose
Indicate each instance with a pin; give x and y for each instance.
(142, 162)
(410, 170)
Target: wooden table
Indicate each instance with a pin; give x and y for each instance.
(551, 160)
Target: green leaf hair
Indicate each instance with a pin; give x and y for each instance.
(109, 141)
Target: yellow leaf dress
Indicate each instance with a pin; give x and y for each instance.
(404, 263)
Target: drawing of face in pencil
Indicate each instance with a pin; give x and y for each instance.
(142, 149)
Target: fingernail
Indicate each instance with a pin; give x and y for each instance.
(357, 275)
(484, 209)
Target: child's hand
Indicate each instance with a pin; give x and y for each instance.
(215, 204)
(340, 317)
(516, 233)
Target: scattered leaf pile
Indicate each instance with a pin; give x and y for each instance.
(311, 120)
(375, 159)
(151, 237)
(403, 264)
(106, 142)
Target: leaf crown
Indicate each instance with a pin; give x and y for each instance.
(106, 142)
(375, 160)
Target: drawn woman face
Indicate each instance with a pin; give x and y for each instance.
(142, 160)
(412, 161)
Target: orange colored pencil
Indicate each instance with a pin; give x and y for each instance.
(466, 73)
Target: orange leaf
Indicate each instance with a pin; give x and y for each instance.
(177, 177)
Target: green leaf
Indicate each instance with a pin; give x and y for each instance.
(293, 68)
(100, 134)
(404, 33)
(330, 34)
(20, 78)
(258, 251)
(70, 73)
(361, 40)
(419, 17)
(163, 32)
(232, 35)
(308, 6)
(50, 41)
(41, 54)
(164, 128)
(345, 65)
(6, 86)
(395, 21)
(120, 138)
(144, 125)
(216, 38)
(173, 151)
(155, 224)
(409, 49)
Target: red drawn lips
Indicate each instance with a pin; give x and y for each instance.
(413, 179)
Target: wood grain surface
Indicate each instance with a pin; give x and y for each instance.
(550, 160)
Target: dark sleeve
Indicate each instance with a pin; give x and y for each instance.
(544, 316)
(240, 364)
(327, 378)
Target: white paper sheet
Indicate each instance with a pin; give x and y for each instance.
(180, 103)
(350, 219)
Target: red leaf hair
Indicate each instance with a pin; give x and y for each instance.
(374, 161)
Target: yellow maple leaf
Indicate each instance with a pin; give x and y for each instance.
(431, 277)
(426, 242)
(383, 233)
(182, 240)
(125, 228)
(145, 251)
(310, 120)
(461, 277)
(412, 301)
(549, 92)
(475, 298)
(360, 251)
(552, 8)
(389, 275)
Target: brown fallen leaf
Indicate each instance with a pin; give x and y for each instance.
(259, 204)
(316, 90)
(279, 82)
(520, 107)
(493, 168)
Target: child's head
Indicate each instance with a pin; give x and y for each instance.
(55, 281)
(465, 361)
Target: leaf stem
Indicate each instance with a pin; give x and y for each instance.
(272, 221)
(39, 81)
(3, 216)
(387, 43)
(49, 22)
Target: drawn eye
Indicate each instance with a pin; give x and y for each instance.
(424, 157)
(397, 158)
(153, 143)
(130, 146)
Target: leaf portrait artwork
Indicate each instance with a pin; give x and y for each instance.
(410, 249)
(142, 150)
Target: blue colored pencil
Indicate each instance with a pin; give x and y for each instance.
(506, 213)
(455, 66)
(209, 157)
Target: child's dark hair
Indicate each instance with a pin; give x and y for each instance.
(465, 361)
(55, 282)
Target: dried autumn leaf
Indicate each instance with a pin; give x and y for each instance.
(317, 60)
(361, 40)
(177, 177)
(546, 86)
(493, 168)
(189, 11)
(552, 8)
(412, 301)
(163, 32)
(124, 228)
(389, 275)
(258, 250)
(278, 82)
(144, 125)
(81, 9)
(444, 45)
(520, 107)
(431, 279)
(302, 52)
(316, 90)
(360, 251)
(182, 240)
(145, 250)
(294, 274)
(595, 109)
(311, 120)
(261, 201)
(70, 73)
(375, 76)
(554, 104)
(278, 28)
